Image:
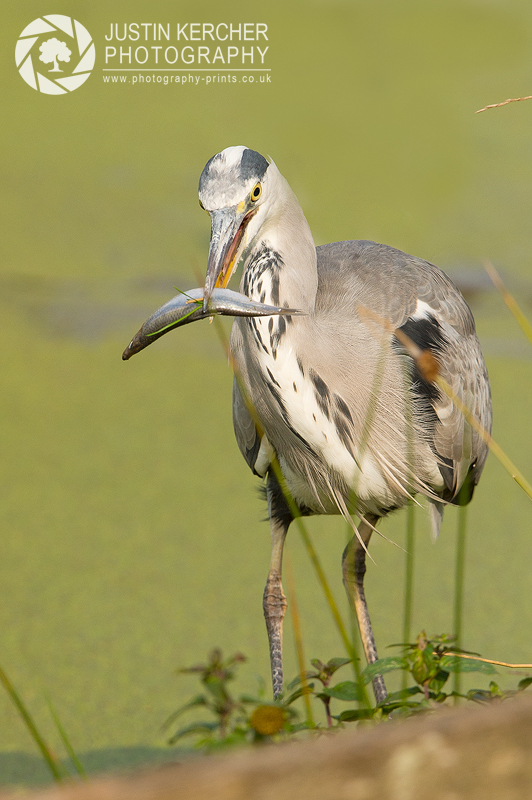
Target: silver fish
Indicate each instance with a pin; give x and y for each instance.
(188, 307)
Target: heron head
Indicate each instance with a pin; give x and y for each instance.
(237, 189)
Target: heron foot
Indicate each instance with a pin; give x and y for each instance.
(274, 605)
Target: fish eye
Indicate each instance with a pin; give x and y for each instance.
(256, 192)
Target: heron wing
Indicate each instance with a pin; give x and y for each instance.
(419, 299)
(247, 436)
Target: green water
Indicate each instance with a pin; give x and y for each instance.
(132, 539)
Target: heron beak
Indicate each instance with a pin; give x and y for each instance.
(228, 226)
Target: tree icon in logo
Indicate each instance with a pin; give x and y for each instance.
(54, 50)
(59, 40)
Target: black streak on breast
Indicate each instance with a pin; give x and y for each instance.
(343, 407)
(322, 393)
(279, 400)
(344, 434)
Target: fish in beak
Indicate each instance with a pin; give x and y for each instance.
(191, 306)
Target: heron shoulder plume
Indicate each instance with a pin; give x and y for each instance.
(336, 351)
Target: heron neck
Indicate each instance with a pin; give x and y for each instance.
(284, 246)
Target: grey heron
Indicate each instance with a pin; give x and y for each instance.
(305, 383)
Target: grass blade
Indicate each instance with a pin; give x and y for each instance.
(509, 299)
(410, 518)
(409, 578)
(497, 451)
(78, 766)
(348, 644)
(53, 765)
(298, 638)
(459, 582)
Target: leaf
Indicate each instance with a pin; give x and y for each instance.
(423, 662)
(293, 683)
(297, 679)
(335, 663)
(438, 681)
(301, 726)
(236, 737)
(199, 700)
(194, 727)
(210, 744)
(437, 696)
(404, 711)
(383, 665)
(353, 714)
(457, 664)
(347, 690)
(190, 670)
(460, 650)
(524, 683)
(480, 695)
(403, 694)
(298, 693)
(247, 698)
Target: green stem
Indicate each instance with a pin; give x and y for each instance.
(66, 741)
(410, 516)
(53, 766)
(298, 638)
(459, 578)
(510, 300)
(497, 451)
(409, 579)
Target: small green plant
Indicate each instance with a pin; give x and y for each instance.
(429, 662)
(349, 691)
(241, 720)
(494, 693)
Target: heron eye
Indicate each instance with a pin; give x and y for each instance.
(256, 192)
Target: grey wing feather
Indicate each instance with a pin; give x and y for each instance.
(246, 433)
(390, 283)
(454, 440)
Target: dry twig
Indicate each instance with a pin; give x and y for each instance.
(504, 103)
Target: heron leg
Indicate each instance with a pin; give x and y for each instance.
(353, 570)
(274, 600)
(274, 605)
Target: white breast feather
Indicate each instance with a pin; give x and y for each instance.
(308, 420)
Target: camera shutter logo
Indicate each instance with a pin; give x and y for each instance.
(55, 54)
